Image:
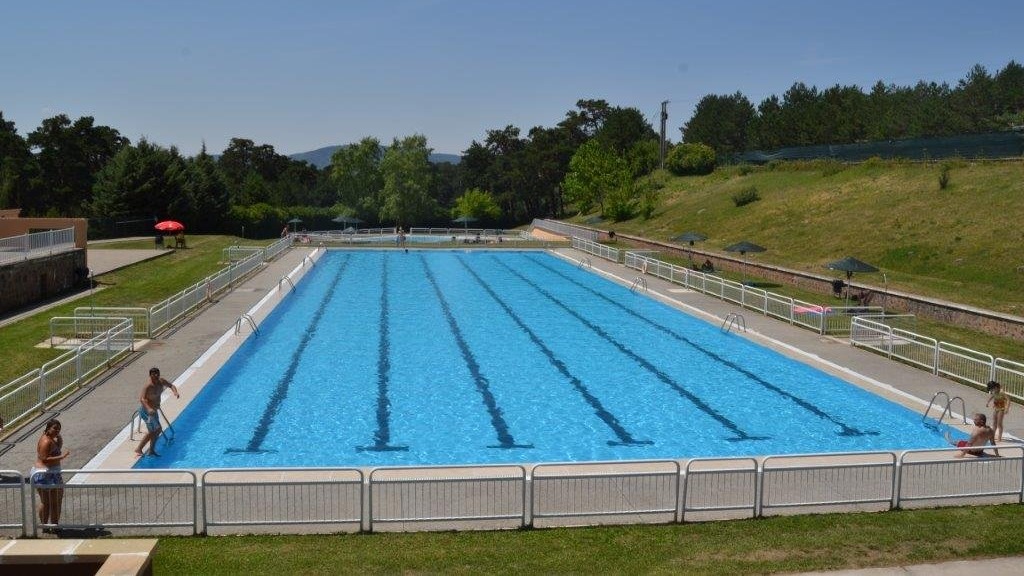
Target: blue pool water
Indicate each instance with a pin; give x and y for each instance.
(457, 357)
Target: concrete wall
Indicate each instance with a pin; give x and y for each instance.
(14, 226)
(36, 279)
(987, 321)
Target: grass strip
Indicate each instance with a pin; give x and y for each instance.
(766, 545)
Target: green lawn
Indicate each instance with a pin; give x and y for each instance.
(955, 244)
(799, 543)
(140, 285)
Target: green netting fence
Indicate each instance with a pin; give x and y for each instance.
(990, 145)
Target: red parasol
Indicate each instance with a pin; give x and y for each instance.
(169, 226)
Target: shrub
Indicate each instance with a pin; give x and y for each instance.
(691, 159)
(746, 169)
(746, 196)
(943, 176)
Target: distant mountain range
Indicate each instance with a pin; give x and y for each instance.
(322, 156)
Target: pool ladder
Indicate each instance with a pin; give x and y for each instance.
(734, 319)
(947, 408)
(282, 281)
(585, 262)
(135, 427)
(247, 318)
(638, 282)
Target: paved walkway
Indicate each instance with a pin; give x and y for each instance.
(103, 260)
(1012, 566)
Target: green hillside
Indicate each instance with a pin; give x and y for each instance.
(963, 243)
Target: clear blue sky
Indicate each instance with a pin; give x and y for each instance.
(301, 75)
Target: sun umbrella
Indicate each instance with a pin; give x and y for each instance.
(464, 220)
(169, 226)
(850, 265)
(690, 238)
(347, 220)
(295, 221)
(744, 247)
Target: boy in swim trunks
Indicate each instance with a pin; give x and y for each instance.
(149, 410)
(1000, 406)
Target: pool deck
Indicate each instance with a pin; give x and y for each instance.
(100, 411)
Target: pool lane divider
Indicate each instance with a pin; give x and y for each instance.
(382, 437)
(845, 429)
(483, 385)
(740, 434)
(609, 419)
(280, 393)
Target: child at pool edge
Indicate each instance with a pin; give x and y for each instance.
(1000, 406)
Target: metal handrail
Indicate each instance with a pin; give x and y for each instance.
(248, 318)
(734, 319)
(638, 282)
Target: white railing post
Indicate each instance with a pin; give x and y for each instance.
(42, 388)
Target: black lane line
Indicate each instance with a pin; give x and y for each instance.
(625, 438)
(483, 385)
(846, 429)
(280, 393)
(382, 437)
(695, 400)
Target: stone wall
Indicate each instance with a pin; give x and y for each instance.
(30, 281)
(987, 321)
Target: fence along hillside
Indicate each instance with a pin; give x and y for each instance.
(992, 145)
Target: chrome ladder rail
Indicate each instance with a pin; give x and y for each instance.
(249, 319)
(282, 280)
(585, 262)
(734, 319)
(638, 282)
(947, 408)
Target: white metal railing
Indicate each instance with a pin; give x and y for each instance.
(555, 494)
(599, 250)
(142, 499)
(563, 229)
(162, 314)
(236, 253)
(67, 331)
(452, 494)
(642, 489)
(139, 316)
(36, 244)
(834, 320)
(31, 393)
(282, 496)
(13, 506)
(937, 357)
(866, 326)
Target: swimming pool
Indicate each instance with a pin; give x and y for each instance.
(457, 357)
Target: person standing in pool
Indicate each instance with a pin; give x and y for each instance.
(149, 410)
(1000, 403)
(46, 474)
